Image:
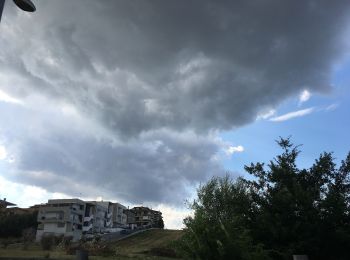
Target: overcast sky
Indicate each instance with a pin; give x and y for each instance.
(141, 101)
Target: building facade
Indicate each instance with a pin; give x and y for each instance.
(146, 217)
(75, 218)
(96, 217)
(61, 217)
(119, 217)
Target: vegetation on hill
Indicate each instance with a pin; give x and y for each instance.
(152, 242)
(14, 225)
(280, 211)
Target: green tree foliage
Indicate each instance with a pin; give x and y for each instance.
(218, 228)
(280, 211)
(14, 225)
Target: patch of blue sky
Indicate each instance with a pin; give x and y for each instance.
(326, 128)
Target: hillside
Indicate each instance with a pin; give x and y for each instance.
(151, 242)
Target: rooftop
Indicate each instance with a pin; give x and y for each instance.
(4, 203)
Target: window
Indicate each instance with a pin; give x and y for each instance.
(60, 225)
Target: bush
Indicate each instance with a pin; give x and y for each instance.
(161, 251)
(71, 249)
(65, 242)
(28, 234)
(5, 243)
(13, 225)
(48, 241)
(95, 248)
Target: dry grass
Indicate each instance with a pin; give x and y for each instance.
(33, 250)
(144, 242)
(135, 247)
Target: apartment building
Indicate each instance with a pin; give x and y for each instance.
(61, 217)
(157, 218)
(75, 217)
(96, 217)
(130, 218)
(119, 217)
(146, 217)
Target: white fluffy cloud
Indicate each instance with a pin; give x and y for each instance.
(294, 114)
(4, 97)
(304, 96)
(3, 152)
(25, 195)
(234, 149)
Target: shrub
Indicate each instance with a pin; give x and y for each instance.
(98, 248)
(13, 225)
(28, 234)
(47, 242)
(65, 242)
(5, 243)
(95, 248)
(71, 249)
(161, 251)
(50, 240)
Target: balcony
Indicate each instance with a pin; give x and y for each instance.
(76, 218)
(51, 219)
(87, 228)
(109, 223)
(89, 218)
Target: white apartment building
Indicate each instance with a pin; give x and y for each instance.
(61, 217)
(119, 217)
(96, 217)
(74, 217)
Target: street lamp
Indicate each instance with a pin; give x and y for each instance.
(25, 5)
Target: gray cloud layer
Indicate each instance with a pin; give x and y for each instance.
(159, 166)
(154, 71)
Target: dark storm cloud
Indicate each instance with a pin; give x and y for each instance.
(159, 166)
(153, 71)
(181, 64)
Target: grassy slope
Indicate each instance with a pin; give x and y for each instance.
(134, 246)
(144, 242)
(33, 250)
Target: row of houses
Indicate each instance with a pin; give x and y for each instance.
(75, 217)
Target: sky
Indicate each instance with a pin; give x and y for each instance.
(140, 102)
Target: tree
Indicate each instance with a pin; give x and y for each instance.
(218, 229)
(14, 225)
(282, 210)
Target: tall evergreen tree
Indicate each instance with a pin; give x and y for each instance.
(282, 210)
